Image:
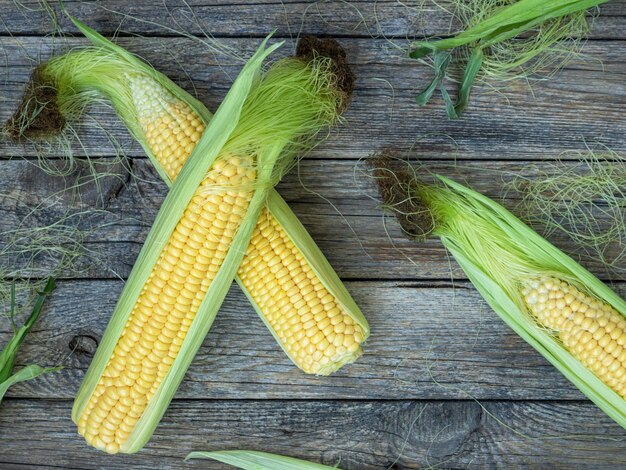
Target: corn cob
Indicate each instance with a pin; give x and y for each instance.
(167, 306)
(592, 330)
(572, 318)
(168, 123)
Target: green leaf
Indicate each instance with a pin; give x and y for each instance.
(253, 460)
(9, 352)
(442, 60)
(422, 50)
(469, 76)
(450, 111)
(27, 373)
(13, 305)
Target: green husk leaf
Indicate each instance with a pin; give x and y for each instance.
(450, 109)
(492, 29)
(471, 71)
(9, 352)
(322, 268)
(254, 460)
(29, 372)
(442, 60)
(422, 50)
(512, 20)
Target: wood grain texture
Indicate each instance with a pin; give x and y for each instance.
(335, 200)
(429, 340)
(364, 18)
(362, 435)
(518, 123)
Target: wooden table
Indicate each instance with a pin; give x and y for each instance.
(443, 381)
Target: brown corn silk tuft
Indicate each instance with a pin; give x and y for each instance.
(395, 181)
(38, 114)
(311, 47)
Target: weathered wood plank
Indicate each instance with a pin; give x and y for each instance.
(360, 435)
(435, 341)
(516, 124)
(345, 221)
(412, 18)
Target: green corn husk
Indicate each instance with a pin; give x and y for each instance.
(500, 255)
(253, 460)
(84, 76)
(499, 22)
(9, 352)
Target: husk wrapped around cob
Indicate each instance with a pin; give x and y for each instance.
(311, 314)
(572, 318)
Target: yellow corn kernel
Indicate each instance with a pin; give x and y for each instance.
(587, 327)
(150, 359)
(170, 126)
(273, 271)
(300, 313)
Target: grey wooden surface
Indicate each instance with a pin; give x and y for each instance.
(443, 382)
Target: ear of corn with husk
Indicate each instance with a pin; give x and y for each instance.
(119, 404)
(572, 318)
(311, 315)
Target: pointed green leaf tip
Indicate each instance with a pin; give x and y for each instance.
(26, 373)
(253, 460)
(421, 50)
(442, 60)
(9, 352)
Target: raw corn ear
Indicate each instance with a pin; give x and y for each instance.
(197, 243)
(146, 347)
(572, 318)
(287, 279)
(299, 296)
